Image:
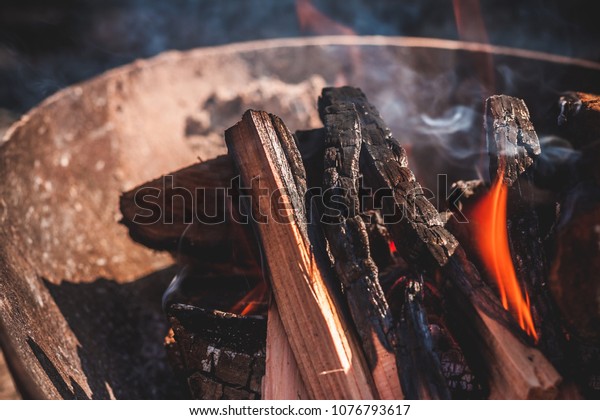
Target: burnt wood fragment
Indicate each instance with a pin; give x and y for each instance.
(417, 228)
(511, 139)
(219, 355)
(419, 235)
(513, 147)
(349, 244)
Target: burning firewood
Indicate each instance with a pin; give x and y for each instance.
(513, 146)
(349, 244)
(348, 240)
(516, 369)
(337, 370)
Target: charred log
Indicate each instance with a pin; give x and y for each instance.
(349, 245)
(384, 165)
(218, 355)
(511, 139)
(513, 146)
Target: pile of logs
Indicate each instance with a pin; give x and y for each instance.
(375, 294)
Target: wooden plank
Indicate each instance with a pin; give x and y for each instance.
(330, 361)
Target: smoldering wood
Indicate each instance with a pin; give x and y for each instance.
(511, 139)
(380, 241)
(513, 146)
(307, 309)
(384, 166)
(498, 339)
(493, 343)
(217, 355)
(349, 244)
(579, 118)
(421, 364)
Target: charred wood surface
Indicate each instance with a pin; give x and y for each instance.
(216, 354)
(417, 228)
(574, 273)
(422, 370)
(419, 235)
(513, 147)
(349, 244)
(511, 139)
(307, 309)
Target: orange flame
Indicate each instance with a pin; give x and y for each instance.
(492, 239)
(253, 301)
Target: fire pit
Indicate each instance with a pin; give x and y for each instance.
(80, 307)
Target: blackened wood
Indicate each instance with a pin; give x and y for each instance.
(421, 365)
(349, 244)
(311, 144)
(525, 372)
(513, 146)
(511, 139)
(579, 118)
(311, 319)
(218, 355)
(384, 165)
(383, 251)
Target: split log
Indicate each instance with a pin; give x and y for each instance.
(187, 211)
(329, 359)
(516, 369)
(349, 245)
(579, 118)
(282, 379)
(513, 146)
(219, 355)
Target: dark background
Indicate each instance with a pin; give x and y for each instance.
(47, 45)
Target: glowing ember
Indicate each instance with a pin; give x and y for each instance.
(253, 302)
(492, 238)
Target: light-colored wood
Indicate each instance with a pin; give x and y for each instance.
(282, 379)
(517, 371)
(331, 364)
